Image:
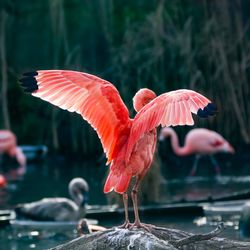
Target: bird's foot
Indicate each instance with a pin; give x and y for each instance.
(147, 227)
(125, 225)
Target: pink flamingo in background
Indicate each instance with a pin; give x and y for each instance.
(198, 141)
(8, 145)
(129, 144)
(3, 181)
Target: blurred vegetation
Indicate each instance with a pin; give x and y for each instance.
(164, 45)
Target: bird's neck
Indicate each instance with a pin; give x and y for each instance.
(12, 151)
(182, 151)
(81, 212)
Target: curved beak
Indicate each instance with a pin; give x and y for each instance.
(231, 149)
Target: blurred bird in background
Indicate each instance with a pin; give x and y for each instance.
(198, 141)
(59, 209)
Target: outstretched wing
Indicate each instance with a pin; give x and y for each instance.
(169, 109)
(97, 100)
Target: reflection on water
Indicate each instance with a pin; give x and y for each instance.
(51, 178)
(203, 188)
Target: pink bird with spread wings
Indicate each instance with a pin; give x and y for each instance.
(129, 144)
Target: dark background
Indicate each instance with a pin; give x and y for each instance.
(163, 45)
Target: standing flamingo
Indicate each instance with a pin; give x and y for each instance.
(8, 145)
(129, 144)
(198, 141)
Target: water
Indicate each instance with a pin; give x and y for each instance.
(47, 179)
(51, 177)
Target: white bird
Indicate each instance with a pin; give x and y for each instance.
(59, 209)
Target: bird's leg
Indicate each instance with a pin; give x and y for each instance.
(1, 159)
(126, 224)
(137, 223)
(195, 165)
(215, 164)
(135, 202)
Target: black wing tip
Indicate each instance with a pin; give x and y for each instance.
(211, 106)
(29, 82)
(209, 110)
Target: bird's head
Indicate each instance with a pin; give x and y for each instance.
(164, 133)
(228, 148)
(143, 97)
(79, 190)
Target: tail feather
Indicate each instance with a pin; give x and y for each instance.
(123, 183)
(110, 182)
(118, 183)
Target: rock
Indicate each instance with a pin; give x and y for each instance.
(158, 239)
(117, 239)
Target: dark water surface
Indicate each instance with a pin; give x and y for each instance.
(51, 177)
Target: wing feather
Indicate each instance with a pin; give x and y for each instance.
(169, 109)
(97, 100)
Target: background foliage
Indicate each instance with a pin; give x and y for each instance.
(164, 45)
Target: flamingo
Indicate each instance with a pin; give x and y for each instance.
(129, 144)
(59, 209)
(3, 181)
(9, 146)
(198, 141)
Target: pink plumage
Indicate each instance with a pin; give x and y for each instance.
(199, 141)
(129, 144)
(3, 181)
